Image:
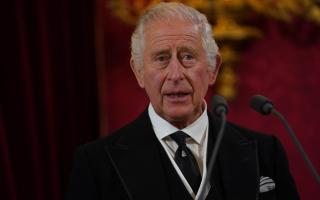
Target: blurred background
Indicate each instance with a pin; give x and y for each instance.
(65, 80)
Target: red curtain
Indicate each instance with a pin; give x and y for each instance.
(284, 66)
(48, 94)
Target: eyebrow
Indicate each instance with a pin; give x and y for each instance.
(160, 51)
(188, 49)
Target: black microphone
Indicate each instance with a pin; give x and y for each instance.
(219, 109)
(219, 105)
(261, 104)
(264, 106)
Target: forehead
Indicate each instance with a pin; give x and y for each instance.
(158, 32)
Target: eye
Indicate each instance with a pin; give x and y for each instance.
(162, 60)
(187, 59)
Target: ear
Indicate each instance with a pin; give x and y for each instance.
(138, 72)
(214, 73)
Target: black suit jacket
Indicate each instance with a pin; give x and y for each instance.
(130, 165)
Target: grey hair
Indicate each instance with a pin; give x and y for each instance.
(167, 11)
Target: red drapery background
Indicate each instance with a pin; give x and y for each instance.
(61, 75)
(48, 94)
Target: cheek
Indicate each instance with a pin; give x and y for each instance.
(201, 84)
(153, 83)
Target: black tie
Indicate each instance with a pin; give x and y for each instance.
(186, 161)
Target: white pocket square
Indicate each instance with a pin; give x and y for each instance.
(266, 184)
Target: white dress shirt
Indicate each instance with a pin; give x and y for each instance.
(197, 143)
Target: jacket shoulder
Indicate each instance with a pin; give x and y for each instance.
(126, 131)
(249, 133)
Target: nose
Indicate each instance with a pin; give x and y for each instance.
(175, 70)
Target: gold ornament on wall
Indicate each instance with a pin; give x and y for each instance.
(230, 20)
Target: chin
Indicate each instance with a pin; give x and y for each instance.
(178, 115)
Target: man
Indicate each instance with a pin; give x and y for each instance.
(163, 154)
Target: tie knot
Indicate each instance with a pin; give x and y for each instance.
(179, 137)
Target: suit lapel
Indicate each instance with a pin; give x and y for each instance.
(237, 165)
(137, 161)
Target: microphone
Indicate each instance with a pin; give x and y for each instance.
(219, 105)
(219, 109)
(264, 106)
(261, 104)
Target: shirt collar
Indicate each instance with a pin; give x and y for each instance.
(163, 128)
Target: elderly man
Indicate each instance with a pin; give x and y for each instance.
(163, 154)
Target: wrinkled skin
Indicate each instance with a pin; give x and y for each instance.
(176, 74)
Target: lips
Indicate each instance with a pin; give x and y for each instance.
(177, 94)
(177, 97)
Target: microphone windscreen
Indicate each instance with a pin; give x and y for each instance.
(261, 104)
(219, 104)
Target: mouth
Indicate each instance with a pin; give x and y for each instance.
(176, 97)
(177, 94)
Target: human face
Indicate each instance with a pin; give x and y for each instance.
(176, 74)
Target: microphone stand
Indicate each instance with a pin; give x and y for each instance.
(297, 143)
(214, 154)
(264, 106)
